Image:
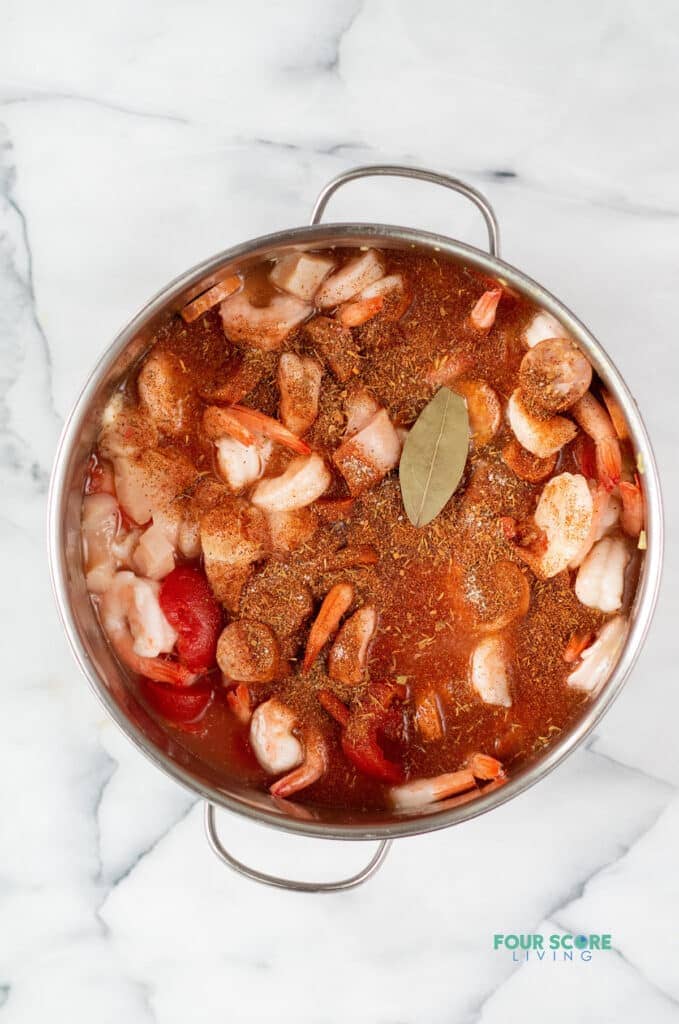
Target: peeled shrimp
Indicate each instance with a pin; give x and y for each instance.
(247, 652)
(553, 375)
(100, 525)
(264, 327)
(489, 671)
(350, 279)
(482, 316)
(249, 426)
(428, 791)
(541, 437)
(349, 654)
(632, 516)
(540, 328)
(563, 518)
(598, 660)
(596, 422)
(335, 604)
(601, 578)
(483, 408)
(278, 750)
(305, 480)
(389, 294)
(136, 626)
(241, 465)
(299, 383)
(301, 274)
(366, 457)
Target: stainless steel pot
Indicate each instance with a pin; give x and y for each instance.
(93, 653)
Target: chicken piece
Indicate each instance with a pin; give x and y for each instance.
(164, 387)
(301, 274)
(366, 458)
(542, 327)
(181, 519)
(348, 655)
(305, 480)
(598, 660)
(335, 344)
(247, 652)
(100, 526)
(154, 555)
(126, 429)
(356, 274)
(264, 327)
(299, 383)
(148, 482)
(289, 530)
(233, 536)
(489, 671)
(359, 408)
(238, 376)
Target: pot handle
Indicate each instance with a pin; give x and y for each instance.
(397, 171)
(342, 885)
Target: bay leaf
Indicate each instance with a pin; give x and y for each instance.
(434, 456)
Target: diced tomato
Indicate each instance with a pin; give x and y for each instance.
(178, 704)
(361, 729)
(190, 606)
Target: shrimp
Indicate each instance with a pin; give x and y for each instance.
(349, 653)
(499, 594)
(301, 274)
(278, 749)
(596, 422)
(485, 767)
(138, 630)
(233, 536)
(553, 375)
(482, 316)
(212, 297)
(240, 703)
(334, 343)
(601, 577)
(365, 458)
(563, 522)
(305, 479)
(247, 652)
(100, 526)
(335, 604)
(164, 387)
(299, 383)
(541, 327)
(428, 717)
(541, 437)
(632, 516)
(248, 426)
(389, 294)
(597, 660)
(483, 408)
(422, 792)
(353, 277)
(601, 516)
(264, 327)
(489, 671)
(617, 415)
(241, 465)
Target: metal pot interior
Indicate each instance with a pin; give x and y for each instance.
(107, 677)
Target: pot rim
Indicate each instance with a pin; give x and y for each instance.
(393, 236)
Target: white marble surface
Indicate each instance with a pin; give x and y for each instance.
(138, 138)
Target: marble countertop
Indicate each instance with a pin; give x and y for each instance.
(135, 140)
